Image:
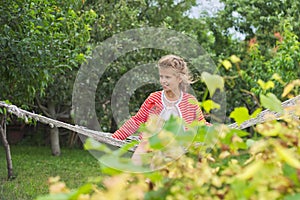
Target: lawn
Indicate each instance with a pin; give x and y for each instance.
(34, 165)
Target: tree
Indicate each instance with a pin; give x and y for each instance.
(258, 18)
(42, 42)
(154, 13)
(264, 27)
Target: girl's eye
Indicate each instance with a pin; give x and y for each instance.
(166, 77)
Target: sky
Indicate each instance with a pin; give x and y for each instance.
(210, 6)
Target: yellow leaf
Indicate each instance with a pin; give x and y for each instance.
(251, 170)
(287, 89)
(224, 154)
(269, 84)
(234, 59)
(269, 129)
(84, 197)
(52, 180)
(261, 83)
(212, 82)
(226, 64)
(287, 156)
(59, 187)
(290, 87)
(277, 78)
(265, 85)
(296, 82)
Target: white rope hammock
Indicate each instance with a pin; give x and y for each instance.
(106, 137)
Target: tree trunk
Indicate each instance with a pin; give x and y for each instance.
(113, 125)
(54, 132)
(6, 146)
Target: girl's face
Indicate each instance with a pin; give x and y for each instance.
(168, 80)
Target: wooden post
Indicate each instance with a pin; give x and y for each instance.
(6, 146)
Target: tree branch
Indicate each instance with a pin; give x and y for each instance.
(43, 108)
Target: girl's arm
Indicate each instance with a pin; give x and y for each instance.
(132, 125)
(200, 116)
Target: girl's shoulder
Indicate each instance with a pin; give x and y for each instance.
(155, 95)
(154, 99)
(189, 100)
(187, 96)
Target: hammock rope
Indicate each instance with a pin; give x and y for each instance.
(106, 138)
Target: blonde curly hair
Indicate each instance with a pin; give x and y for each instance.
(180, 68)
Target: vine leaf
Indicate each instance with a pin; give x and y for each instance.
(271, 102)
(241, 114)
(208, 105)
(212, 82)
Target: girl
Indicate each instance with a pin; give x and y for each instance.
(172, 100)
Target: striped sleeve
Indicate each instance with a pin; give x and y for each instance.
(199, 115)
(132, 125)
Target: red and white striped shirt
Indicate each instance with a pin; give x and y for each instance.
(154, 105)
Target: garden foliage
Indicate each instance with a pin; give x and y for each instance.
(221, 163)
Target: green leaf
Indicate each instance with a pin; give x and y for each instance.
(155, 176)
(291, 173)
(155, 142)
(212, 82)
(4, 111)
(271, 102)
(85, 189)
(8, 102)
(109, 171)
(207, 135)
(250, 142)
(208, 105)
(185, 139)
(255, 113)
(240, 115)
(115, 165)
(241, 145)
(174, 125)
(60, 19)
(125, 148)
(239, 133)
(201, 134)
(80, 58)
(91, 144)
(60, 196)
(292, 197)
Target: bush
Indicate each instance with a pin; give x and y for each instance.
(226, 165)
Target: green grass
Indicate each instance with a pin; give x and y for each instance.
(34, 165)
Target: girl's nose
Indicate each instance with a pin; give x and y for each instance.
(164, 82)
